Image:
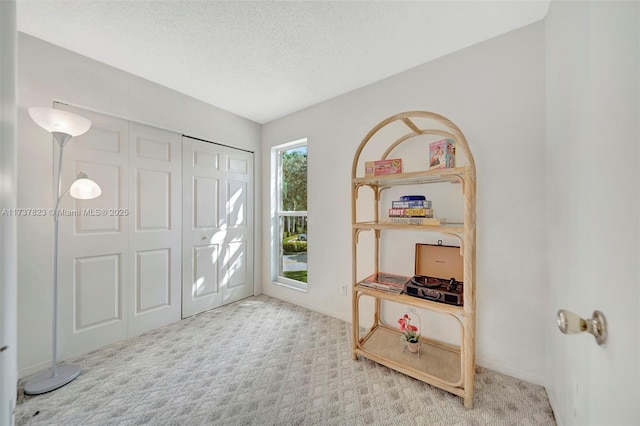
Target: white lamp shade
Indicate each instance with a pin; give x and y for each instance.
(55, 120)
(85, 189)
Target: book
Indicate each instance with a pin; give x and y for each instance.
(416, 212)
(413, 204)
(442, 154)
(383, 281)
(428, 221)
(413, 198)
(383, 167)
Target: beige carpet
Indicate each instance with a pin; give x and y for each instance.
(262, 361)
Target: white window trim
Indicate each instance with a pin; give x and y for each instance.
(276, 173)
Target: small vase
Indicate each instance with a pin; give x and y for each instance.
(414, 347)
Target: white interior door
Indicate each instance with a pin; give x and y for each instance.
(614, 386)
(594, 208)
(218, 226)
(120, 254)
(94, 256)
(155, 227)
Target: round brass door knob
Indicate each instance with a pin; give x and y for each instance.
(570, 323)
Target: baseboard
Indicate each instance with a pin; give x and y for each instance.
(552, 399)
(510, 371)
(33, 369)
(314, 308)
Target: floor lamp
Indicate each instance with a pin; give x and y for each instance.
(63, 125)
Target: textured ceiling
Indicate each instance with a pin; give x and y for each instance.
(264, 59)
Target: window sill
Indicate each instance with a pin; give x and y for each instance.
(292, 284)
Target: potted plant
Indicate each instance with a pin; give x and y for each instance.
(410, 334)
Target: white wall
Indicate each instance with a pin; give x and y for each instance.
(8, 198)
(593, 158)
(48, 73)
(494, 91)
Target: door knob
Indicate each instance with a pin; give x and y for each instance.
(570, 323)
(205, 238)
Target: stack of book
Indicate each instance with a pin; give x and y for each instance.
(412, 210)
(383, 281)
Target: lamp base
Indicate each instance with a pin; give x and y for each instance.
(43, 382)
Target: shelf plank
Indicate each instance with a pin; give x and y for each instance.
(413, 178)
(451, 228)
(417, 302)
(436, 364)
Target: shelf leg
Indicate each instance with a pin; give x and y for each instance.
(355, 324)
(468, 354)
(468, 401)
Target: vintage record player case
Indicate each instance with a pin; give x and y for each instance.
(439, 274)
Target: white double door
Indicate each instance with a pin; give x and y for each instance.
(217, 237)
(121, 254)
(119, 270)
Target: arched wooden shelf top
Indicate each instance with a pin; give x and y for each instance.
(450, 131)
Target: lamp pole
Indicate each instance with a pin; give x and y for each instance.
(62, 139)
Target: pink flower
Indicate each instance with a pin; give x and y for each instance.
(402, 323)
(412, 327)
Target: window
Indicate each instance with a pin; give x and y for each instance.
(289, 214)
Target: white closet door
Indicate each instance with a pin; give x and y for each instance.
(155, 227)
(237, 276)
(94, 261)
(218, 226)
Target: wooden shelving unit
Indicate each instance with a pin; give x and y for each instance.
(446, 366)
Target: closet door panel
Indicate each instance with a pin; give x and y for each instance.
(153, 284)
(97, 278)
(152, 204)
(202, 233)
(238, 220)
(93, 254)
(91, 219)
(205, 269)
(155, 162)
